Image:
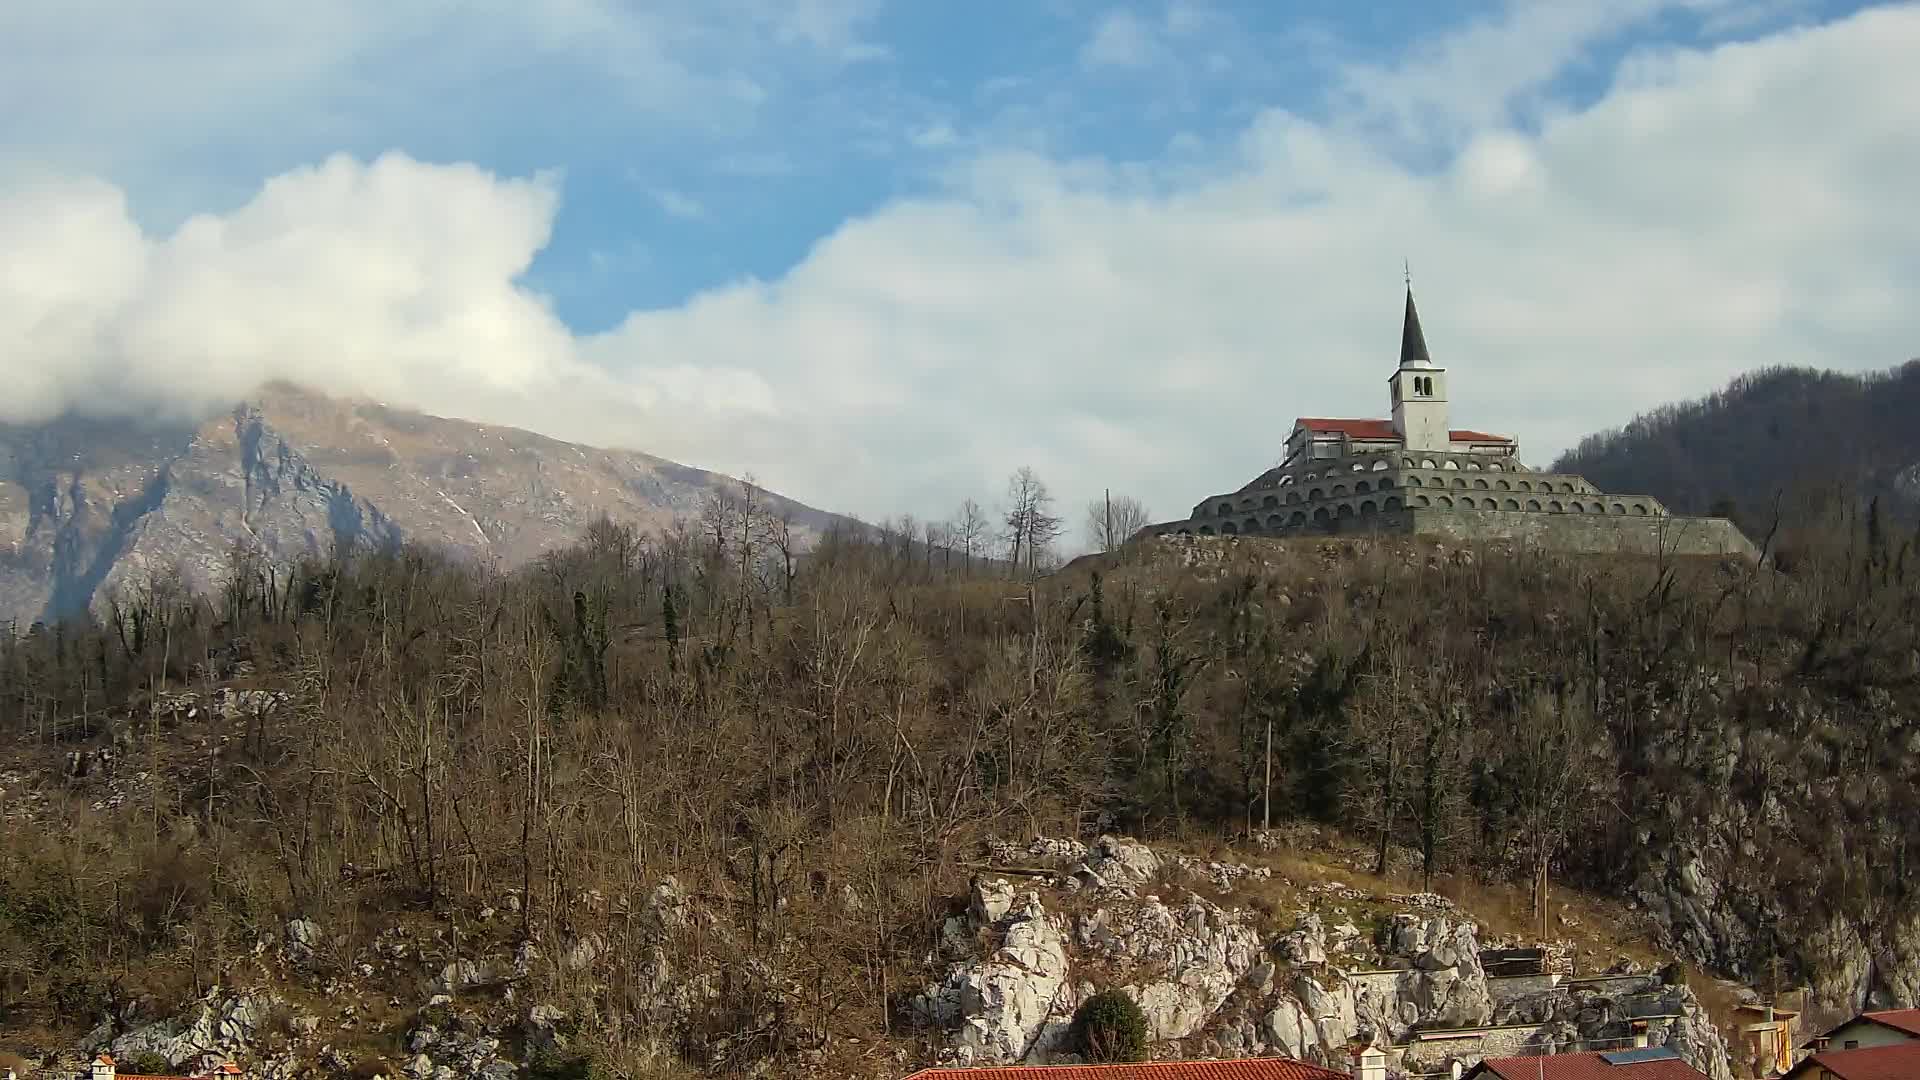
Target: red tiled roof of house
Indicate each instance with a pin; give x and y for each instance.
(1898, 1061)
(1592, 1065)
(1383, 429)
(1907, 1020)
(1243, 1069)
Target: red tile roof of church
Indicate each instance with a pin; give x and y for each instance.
(1383, 429)
(1897, 1061)
(1590, 1065)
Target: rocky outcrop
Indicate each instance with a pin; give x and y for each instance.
(1014, 1005)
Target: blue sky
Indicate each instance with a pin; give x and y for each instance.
(879, 253)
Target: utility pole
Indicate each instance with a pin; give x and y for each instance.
(1106, 534)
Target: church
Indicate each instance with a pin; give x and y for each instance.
(1417, 474)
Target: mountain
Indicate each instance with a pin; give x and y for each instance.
(86, 504)
(1774, 431)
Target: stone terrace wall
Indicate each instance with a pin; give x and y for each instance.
(1581, 533)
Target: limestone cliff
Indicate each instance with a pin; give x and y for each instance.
(86, 505)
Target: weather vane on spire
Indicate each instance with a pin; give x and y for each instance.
(1407, 269)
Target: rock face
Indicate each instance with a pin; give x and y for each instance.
(87, 505)
(1212, 985)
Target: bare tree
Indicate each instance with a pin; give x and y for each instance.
(1031, 525)
(1113, 519)
(970, 531)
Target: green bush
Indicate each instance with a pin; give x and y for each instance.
(151, 1064)
(1110, 1028)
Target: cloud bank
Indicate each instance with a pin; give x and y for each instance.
(1150, 328)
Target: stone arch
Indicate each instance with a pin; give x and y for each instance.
(1533, 504)
(1554, 506)
(1450, 465)
(1379, 464)
(1413, 481)
(1504, 486)
(1226, 508)
(1408, 462)
(1275, 521)
(1640, 509)
(1577, 506)
(1566, 487)
(1514, 504)
(1271, 500)
(1494, 466)
(1252, 525)
(1345, 510)
(1362, 488)
(1422, 500)
(1459, 481)
(1526, 485)
(1480, 483)
(1316, 493)
(1339, 490)
(1299, 517)
(1359, 467)
(1393, 503)
(1321, 515)
(1473, 466)
(1619, 508)
(1246, 504)
(1446, 503)
(1427, 463)
(1385, 483)
(1284, 481)
(1228, 528)
(1292, 497)
(1367, 509)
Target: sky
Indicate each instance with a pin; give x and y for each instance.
(879, 253)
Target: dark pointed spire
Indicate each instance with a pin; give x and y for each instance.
(1413, 343)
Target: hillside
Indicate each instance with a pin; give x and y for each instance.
(1779, 433)
(437, 815)
(88, 505)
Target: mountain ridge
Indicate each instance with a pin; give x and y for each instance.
(90, 505)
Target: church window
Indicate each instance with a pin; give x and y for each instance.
(1533, 504)
(1362, 488)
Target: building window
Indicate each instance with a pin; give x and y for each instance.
(1362, 488)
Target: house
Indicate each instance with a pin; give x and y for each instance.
(1640, 1063)
(1371, 1066)
(1883, 1028)
(104, 1068)
(1765, 1033)
(1887, 1061)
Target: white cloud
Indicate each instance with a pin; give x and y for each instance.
(679, 204)
(1120, 40)
(1152, 330)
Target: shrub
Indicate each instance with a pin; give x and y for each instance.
(1110, 1028)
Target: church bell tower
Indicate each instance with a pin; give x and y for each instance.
(1419, 390)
